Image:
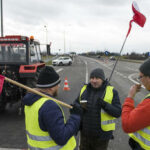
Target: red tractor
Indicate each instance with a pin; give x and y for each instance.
(20, 60)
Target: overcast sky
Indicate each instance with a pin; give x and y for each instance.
(84, 25)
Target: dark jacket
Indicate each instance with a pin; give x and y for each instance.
(51, 120)
(91, 125)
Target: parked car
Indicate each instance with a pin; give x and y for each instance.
(62, 61)
(98, 56)
(112, 58)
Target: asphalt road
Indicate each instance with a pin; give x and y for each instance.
(12, 128)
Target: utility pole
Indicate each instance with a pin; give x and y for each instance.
(64, 41)
(1, 17)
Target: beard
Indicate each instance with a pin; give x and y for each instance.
(95, 85)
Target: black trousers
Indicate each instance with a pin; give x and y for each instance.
(88, 143)
(134, 145)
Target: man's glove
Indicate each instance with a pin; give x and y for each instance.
(83, 104)
(77, 109)
(102, 103)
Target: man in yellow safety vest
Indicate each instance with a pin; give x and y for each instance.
(98, 120)
(46, 127)
(136, 119)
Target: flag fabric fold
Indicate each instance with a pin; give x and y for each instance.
(2, 78)
(138, 17)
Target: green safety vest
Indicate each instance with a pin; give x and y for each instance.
(142, 136)
(107, 121)
(38, 139)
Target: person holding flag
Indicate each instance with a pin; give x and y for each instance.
(46, 127)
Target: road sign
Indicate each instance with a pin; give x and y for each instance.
(107, 53)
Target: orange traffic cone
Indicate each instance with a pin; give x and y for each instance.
(66, 86)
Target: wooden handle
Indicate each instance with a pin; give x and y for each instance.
(37, 92)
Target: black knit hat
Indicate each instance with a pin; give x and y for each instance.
(48, 78)
(145, 68)
(98, 73)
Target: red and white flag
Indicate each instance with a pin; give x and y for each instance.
(2, 78)
(138, 17)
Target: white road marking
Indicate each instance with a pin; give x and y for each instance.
(130, 77)
(132, 69)
(86, 76)
(59, 70)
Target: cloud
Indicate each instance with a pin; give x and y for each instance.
(35, 11)
(88, 24)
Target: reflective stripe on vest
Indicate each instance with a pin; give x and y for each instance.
(107, 121)
(51, 148)
(82, 90)
(142, 136)
(38, 139)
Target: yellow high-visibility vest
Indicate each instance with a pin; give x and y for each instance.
(107, 121)
(142, 136)
(38, 139)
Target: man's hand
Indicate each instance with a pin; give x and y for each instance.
(101, 103)
(77, 109)
(83, 104)
(133, 90)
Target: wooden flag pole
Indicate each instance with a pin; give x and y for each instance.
(37, 92)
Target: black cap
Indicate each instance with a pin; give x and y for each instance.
(145, 68)
(48, 78)
(98, 73)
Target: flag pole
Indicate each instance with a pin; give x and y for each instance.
(117, 59)
(130, 26)
(37, 92)
(114, 66)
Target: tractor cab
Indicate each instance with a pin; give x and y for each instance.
(19, 50)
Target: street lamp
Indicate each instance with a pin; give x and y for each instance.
(66, 29)
(64, 41)
(46, 34)
(1, 17)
